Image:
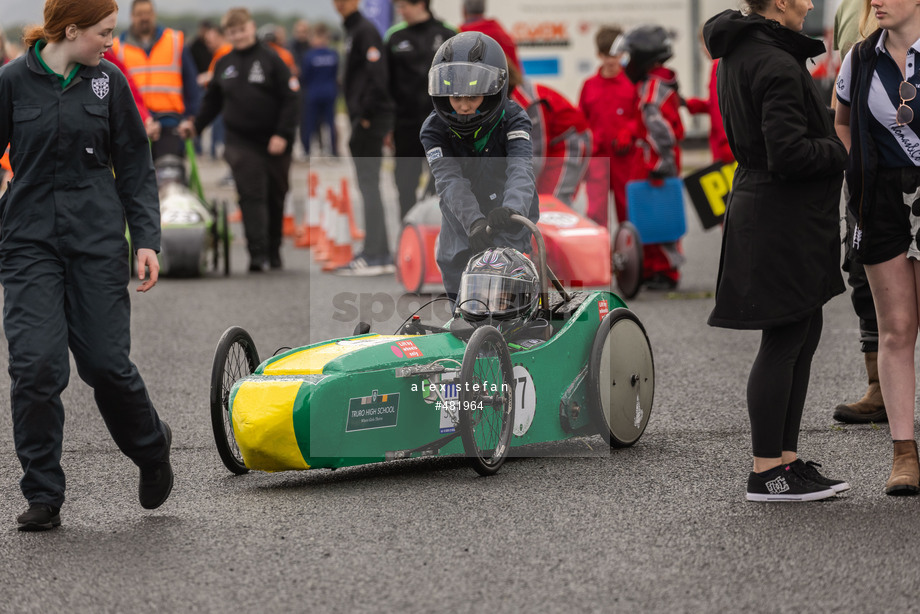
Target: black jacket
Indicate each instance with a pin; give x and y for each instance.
(365, 80)
(253, 89)
(409, 51)
(781, 244)
(81, 161)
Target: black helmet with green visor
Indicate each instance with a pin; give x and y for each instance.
(469, 64)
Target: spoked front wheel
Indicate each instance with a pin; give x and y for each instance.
(621, 378)
(486, 400)
(235, 358)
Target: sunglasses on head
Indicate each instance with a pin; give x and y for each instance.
(907, 92)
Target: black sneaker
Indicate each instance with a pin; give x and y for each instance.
(783, 483)
(157, 479)
(809, 471)
(39, 517)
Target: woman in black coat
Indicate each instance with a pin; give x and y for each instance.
(781, 246)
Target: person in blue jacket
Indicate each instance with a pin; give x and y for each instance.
(82, 167)
(479, 148)
(319, 69)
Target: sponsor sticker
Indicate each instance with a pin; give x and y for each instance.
(374, 412)
(406, 349)
(434, 153)
(518, 134)
(602, 309)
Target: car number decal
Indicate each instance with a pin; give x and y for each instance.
(525, 400)
(451, 394)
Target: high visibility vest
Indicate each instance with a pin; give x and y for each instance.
(159, 75)
(218, 54)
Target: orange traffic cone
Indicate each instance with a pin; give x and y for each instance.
(310, 231)
(288, 223)
(288, 226)
(356, 233)
(322, 247)
(340, 252)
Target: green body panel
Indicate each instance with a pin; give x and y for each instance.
(332, 429)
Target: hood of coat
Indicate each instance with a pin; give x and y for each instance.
(725, 31)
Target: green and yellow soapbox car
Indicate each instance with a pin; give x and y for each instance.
(430, 390)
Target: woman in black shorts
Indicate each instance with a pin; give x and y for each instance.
(878, 118)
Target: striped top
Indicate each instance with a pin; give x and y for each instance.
(898, 146)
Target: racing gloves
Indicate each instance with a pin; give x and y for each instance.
(479, 238)
(500, 218)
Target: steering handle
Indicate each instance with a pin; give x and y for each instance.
(544, 271)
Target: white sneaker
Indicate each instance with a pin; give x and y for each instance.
(366, 266)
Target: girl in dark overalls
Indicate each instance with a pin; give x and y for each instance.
(82, 167)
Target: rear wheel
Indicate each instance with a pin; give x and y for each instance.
(235, 358)
(626, 260)
(486, 400)
(621, 378)
(410, 259)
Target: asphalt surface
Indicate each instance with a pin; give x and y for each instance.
(662, 526)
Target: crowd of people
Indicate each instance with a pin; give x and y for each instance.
(590, 142)
(488, 141)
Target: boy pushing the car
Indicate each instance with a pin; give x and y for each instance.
(480, 152)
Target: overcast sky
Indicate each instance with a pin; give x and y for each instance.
(13, 12)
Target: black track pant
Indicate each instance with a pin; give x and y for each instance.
(75, 297)
(778, 384)
(410, 162)
(262, 184)
(366, 145)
